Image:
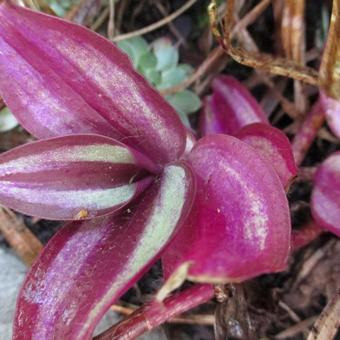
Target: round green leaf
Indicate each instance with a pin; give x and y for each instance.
(166, 54)
(147, 61)
(185, 101)
(172, 77)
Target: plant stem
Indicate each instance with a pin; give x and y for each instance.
(305, 235)
(308, 130)
(155, 313)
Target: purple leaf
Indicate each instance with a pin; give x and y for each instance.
(239, 226)
(326, 194)
(332, 109)
(273, 146)
(65, 79)
(88, 265)
(71, 177)
(230, 108)
(209, 122)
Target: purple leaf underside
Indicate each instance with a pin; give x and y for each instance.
(87, 265)
(239, 226)
(230, 107)
(79, 82)
(72, 177)
(326, 194)
(332, 109)
(273, 146)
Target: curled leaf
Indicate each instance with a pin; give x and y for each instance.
(239, 226)
(61, 177)
(88, 265)
(326, 194)
(230, 108)
(80, 82)
(273, 146)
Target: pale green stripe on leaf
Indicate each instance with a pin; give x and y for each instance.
(159, 228)
(115, 154)
(82, 199)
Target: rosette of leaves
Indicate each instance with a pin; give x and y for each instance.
(112, 159)
(158, 62)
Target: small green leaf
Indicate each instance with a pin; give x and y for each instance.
(134, 48)
(57, 9)
(185, 101)
(147, 61)
(153, 76)
(126, 47)
(172, 77)
(7, 120)
(186, 68)
(166, 54)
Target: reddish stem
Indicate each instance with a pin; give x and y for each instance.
(305, 235)
(155, 313)
(308, 130)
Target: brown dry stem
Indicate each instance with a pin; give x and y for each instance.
(328, 323)
(265, 62)
(330, 65)
(21, 239)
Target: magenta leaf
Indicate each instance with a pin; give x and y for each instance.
(209, 122)
(326, 194)
(88, 265)
(57, 84)
(72, 177)
(332, 109)
(239, 226)
(230, 108)
(274, 146)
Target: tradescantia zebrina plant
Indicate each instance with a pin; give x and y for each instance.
(112, 160)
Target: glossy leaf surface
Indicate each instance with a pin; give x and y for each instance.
(71, 177)
(88, 265)
(80, 82)
(230, 108)
(326, 194)
(239, 226)
(209, 122)
(273, 146)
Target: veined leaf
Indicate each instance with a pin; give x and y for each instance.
(80, 82)
(71, 177)
(90, 264)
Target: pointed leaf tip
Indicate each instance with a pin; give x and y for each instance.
(88, 265)
(80, 82)
(71, 177)
(230, 107)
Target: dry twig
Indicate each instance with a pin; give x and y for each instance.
(261, 61)
(328, 323)
(189, 319)
(21, 239)
(157, 24)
